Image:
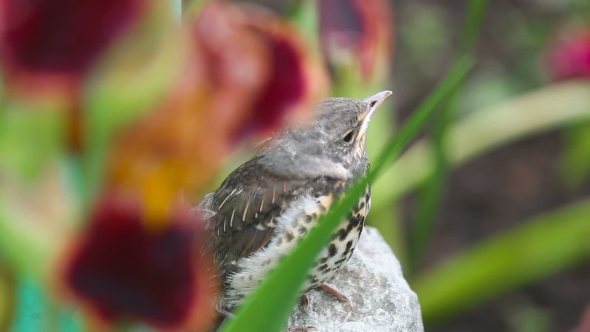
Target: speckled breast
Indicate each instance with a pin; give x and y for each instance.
(294, 223)
(340, 249)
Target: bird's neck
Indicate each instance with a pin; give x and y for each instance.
(310, 167)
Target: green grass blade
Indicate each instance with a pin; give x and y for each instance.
(268, 309)
(540, 247)
(575, 162)
(431, 193)
(472, 27)
(488, 129)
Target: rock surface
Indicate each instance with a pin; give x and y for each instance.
(373, 280)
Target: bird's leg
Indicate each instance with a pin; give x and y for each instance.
(303, 328)
(337, 293)
(305, 302)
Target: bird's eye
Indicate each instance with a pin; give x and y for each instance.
(348, 137)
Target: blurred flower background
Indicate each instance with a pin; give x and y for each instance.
(117, 116)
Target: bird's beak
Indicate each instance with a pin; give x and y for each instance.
(373, 104)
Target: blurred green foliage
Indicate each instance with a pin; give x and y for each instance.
(541, 246)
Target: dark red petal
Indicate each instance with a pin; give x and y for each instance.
(285, 88)
(296, 79)
(361, 27)
(341, 23)
(260, 72)
(60, 35)
(122, 270)
(237, 63)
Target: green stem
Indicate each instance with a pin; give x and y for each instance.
(472, 27)
(431, 193)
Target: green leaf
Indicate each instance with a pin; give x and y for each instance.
(269, 307)
(526, 317)
(304, 14)
(31, 137)
(36, 217)
(475, 15)
(542, 246)
(576, 158)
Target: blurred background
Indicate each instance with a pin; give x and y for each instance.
(488, 209)
(503, 188)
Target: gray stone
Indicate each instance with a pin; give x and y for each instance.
(373, 280)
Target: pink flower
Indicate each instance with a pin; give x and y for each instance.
(569, 55)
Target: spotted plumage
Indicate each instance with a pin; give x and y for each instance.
(263, 208)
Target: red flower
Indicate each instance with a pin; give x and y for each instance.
(358, 28)
(60, 36)
(260, 70)
(569, 56)
(47, 46)
(247, 73)
(120, 269)
(288, 86)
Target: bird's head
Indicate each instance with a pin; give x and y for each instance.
(331, 143)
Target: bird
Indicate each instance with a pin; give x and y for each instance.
(261, 210)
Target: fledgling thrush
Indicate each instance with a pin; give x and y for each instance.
(268, 203)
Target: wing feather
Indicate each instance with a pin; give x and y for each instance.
(242, 213)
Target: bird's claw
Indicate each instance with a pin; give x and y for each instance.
(337, 293)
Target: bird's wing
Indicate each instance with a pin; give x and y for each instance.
(242, 213)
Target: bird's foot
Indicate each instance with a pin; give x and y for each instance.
(337, 293)
(302, 328)
(226, 313)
